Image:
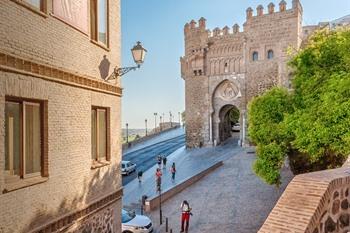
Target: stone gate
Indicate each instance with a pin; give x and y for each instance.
(224, 68)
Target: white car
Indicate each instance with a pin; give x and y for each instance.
(133, 223)
(128, 167)
(236, 127)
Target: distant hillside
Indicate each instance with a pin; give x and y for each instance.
(134, 132)
(343, 21)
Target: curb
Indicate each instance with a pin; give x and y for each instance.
(153, 202)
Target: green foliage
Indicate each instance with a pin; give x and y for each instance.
(269, 162)
(266, 129)
(234, 115)
(313, 121)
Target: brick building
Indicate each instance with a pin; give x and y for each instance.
(223, 69)
(60, 144)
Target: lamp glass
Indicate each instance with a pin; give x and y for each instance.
(138, 53)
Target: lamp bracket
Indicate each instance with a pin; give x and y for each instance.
(118, 72)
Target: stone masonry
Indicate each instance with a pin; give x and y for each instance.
(225, 68)
(42, 57)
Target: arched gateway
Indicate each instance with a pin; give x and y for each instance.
(226, 104)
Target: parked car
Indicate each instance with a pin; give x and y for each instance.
(236, 127)
(128, 167)
(133, 223)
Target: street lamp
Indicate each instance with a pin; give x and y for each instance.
(179, 118)
(127, 133)
(138, 53)
(160, 123)
(171, 123)
(159, 184)
(155, 122)
(146, 126)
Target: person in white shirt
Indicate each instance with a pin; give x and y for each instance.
(185, 217)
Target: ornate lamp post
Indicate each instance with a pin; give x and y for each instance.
(155, 121)
(138, 53)
(146, 126)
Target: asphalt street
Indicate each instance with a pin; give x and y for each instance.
(145, 158)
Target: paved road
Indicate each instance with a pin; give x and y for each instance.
(145, 158)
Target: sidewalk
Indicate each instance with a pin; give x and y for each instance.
(187, 163)
(232, 199)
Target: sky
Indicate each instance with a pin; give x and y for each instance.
(157, 87)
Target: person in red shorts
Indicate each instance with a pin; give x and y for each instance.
(185, 217)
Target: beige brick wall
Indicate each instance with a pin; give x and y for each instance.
(49, 40)
(72, 183)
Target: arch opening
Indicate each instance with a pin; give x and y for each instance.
(229, 126)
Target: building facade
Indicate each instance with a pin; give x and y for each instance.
(224, 69)
(60, 144)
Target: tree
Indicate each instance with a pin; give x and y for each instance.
(312, 123)
(267, 130)
(234, 115)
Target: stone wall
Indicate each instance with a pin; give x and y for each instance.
(63, 64)
(315, 202)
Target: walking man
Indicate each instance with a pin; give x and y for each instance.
(159, 161)
(173, 171)
(185, 217)
(158, 179)
(164, 161)
(139, 175)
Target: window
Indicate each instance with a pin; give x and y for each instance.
(99, 20)
(255, 56)
(35, 3)
(270, 54)
(99, 134)
(226, 67)
(37, 6)
(24, 154)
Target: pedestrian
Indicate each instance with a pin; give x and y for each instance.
(139, 176)
(159, 161)
(164, 161)
(185, 216)
(173, 171)
(158, 179)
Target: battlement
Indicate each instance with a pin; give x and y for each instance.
(200, 25)
(226, 31)
(271, 9)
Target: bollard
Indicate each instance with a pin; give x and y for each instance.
(171, 230)
(166, 224)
